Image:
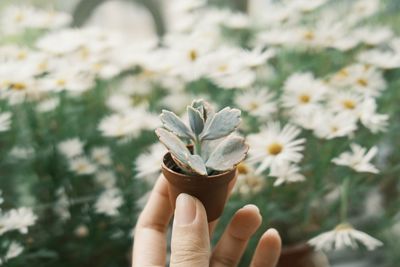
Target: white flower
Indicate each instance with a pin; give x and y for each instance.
(328, 125)
(248, 182)
(303, 91)
(101, 155)
(19, 152)
(82, 165)
(106, 178)
(274, 146)
(380, 58)
(17, 219)
(358, 159)
(48, 104)
(5, 121)
(148, 164)
(373, 36)
(286, 173)
(71, 147)
(61, 207)
(109, 202)
(369, 118)
(258, 103)
(344, 235)
(14, 250)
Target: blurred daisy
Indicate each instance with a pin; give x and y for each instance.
(17, 219)
(48, 105)
(101, 155)
(13, 251)
(106, 178)
(328, 125)
(19, 152)
(82, 166)
(302, 91)
(286, 173)
(148, 163)
(344, 235)
(375, 122)
(5, 121)
(258, 103)
(274, 146)
(248, 182)
(109, 202)
(358, 159)
(71, 147)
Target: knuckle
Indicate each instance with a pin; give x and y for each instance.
(189, 251)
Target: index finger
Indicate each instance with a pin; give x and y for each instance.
(150, 245)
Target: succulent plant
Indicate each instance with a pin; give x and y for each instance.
(214, 146)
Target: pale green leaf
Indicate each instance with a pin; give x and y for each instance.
(195, 120)
(174, 124)
(221, 124)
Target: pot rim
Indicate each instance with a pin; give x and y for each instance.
(164, 166)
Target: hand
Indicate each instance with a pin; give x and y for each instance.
(190, 244)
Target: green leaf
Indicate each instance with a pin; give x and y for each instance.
(221, 124)
(195, 120)
(177, 148)
(228, 154)
(174, 124)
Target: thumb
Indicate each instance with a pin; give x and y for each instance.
(190, 245)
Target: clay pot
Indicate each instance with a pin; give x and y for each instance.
(212, 190)
(301, 255)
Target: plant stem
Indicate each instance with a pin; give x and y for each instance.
(344, 199)
(197, 146)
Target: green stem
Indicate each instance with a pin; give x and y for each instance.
(197, 146)
(344, 199)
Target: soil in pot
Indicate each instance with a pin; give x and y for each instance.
(302, 255)
(212, 191)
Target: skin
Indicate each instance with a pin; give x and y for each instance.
(190, 244)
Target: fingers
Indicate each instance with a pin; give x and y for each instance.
(233, 242)
(149, 247)
(190, 244)
(268, 250)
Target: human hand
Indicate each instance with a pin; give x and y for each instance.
(190, 244)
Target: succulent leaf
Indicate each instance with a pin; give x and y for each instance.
(174, 124)
(207, 147)
(177, 148)
(196, 163)
(228, 154)
(195, 120)
(204, 107)
(221, 124)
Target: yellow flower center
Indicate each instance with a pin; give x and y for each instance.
(253, 105)
(18, 86)
(222, 68)
(349, 104)
(274, 148)
(343, 226)
(61, 82)
(343, 73)
(309, 35)
(242, 168)
(193, 55)
(304, 98)
(363, 82)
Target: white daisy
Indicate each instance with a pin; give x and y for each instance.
(358, 159)
(82, 165)
(375, 122)
(273, 146)
(148, 164)
(106, 178)
(101, 155)
(17, 219)
(344, 235)
(248, 182)
(5, 121)
(286, 173)
(20, 152)
(258, 103)
(303, 91)
(13, 251)
(328, 125)
(48, 105)
(71, 147)
(109, 202)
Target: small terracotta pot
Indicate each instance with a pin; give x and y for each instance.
(212, 191)
(301, 255)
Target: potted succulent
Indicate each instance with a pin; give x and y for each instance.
(203, 155)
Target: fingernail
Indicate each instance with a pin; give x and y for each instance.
(251, 206)
(185, 211)
(272, 231)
